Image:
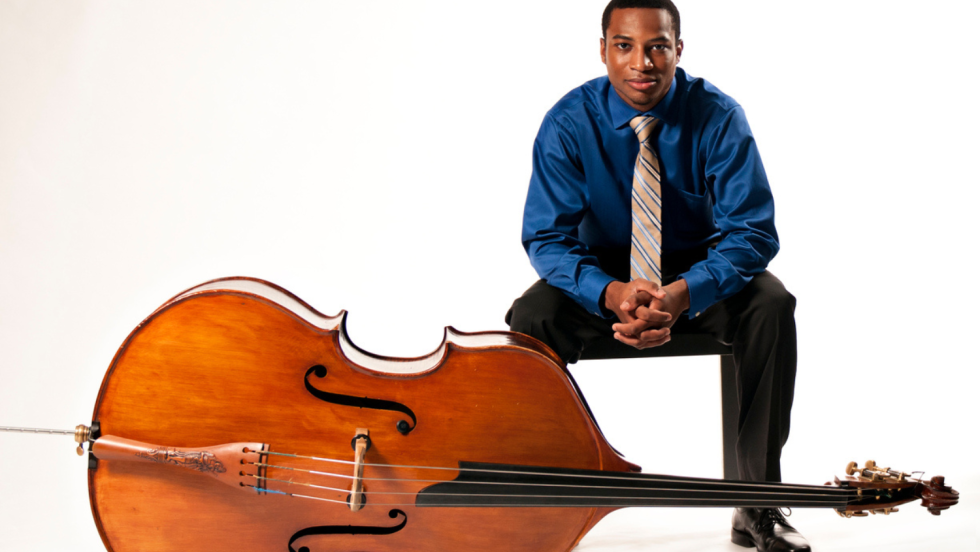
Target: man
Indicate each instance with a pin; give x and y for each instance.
(647, 199)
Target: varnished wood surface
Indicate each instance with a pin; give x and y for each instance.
(218, 367)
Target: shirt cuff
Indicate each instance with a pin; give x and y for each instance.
(591, 286)
(701, 287)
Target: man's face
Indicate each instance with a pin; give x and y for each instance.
(640, 54)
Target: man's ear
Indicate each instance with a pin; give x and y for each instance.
(602, 50)
(680, 49)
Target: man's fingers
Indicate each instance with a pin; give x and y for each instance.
(641, 293)
(648, 287)
(635, 300)
(655, 335)
(634, 327)
(653, 315)
(647, 339)
(640, 333)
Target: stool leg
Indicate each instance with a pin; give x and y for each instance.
(729, 416)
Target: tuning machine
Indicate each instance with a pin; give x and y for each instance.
(83, 434)
(883, 511)
(864, 513)
(873, 472)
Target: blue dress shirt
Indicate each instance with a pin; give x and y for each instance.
(713, 184)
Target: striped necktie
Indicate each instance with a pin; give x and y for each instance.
(646, 238)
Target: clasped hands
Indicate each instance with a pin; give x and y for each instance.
(645, 310)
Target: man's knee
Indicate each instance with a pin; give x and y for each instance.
(533, 311)
(523, 318)
(770, 297)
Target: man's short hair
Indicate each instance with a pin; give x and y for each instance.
(675, 15)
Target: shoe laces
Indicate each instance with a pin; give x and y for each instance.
(772, 516)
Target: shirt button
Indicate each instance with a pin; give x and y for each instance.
(697, 314)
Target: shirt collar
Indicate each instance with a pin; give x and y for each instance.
(622, 113)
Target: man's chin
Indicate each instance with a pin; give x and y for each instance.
(642, 102)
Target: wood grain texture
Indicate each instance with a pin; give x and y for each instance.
(220, 366)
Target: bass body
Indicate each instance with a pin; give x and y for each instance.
(240, 360)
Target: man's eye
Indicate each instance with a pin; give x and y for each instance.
(623, 46)
(658, 47)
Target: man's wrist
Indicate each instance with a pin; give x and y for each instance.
(682, 292)
(611, 299)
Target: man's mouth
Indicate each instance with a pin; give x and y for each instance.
(641, 84)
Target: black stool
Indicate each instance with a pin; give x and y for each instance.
(691, 345)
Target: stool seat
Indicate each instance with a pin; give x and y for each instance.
(690, 345)
(679, 345)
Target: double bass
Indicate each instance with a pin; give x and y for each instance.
(237, 416)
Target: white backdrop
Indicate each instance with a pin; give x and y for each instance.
(147, 147)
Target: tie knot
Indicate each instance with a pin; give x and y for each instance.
(643, 126)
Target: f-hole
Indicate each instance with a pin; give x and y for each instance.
(348, 530)
(320, 371)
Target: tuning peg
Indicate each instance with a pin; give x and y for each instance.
(82, 435)
(852, 468)
(884, 511)
(849, 514)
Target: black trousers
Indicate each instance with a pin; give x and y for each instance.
(757, 322)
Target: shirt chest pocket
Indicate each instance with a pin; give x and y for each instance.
(687, 216)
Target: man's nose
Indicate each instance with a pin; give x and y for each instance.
(641, 60)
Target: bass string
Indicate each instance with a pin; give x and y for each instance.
(654, 479)
(729, 503)
(829, 492)
(829, 498)
(38, 430)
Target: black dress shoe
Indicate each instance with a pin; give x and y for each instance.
(767, 530)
